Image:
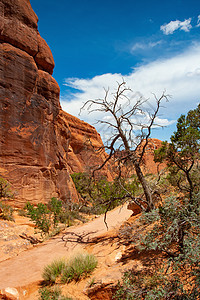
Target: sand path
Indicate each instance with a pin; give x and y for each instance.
(26, 268)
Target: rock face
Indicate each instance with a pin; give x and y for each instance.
(149, 166)
(84, 143)
(39, 144)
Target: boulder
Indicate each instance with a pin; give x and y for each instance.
(9, 294)
(44, 58)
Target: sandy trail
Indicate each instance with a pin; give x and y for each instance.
(27, 267)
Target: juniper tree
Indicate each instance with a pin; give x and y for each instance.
(182, 153)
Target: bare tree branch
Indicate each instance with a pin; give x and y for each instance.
(132, 125)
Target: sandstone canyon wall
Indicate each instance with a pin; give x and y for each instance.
(39, 143)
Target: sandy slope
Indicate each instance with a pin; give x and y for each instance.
(27, 267)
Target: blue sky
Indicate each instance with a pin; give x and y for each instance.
(154, 45)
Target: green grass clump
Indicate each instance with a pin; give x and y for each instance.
(54, 293)
(54, 270)
(79, 266)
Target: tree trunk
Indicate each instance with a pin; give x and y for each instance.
(145, 187)
(181, 237)
(191, 186)
(134, 159)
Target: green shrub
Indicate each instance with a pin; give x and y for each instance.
(138, 285)
(40, 216)
(5, 189)
(22, 212)
(54, 293)
(76, 268)
(175, 231)
(70, 213)
(55, 206)
(6, 212)
(99, 196)
(47, 216)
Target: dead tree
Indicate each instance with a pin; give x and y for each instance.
(130, 122)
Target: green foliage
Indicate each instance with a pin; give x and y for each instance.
(175, 223)
(70, 213)
(5, 189)
(174, 230)
(79, 267)
(40, 215)
(83, 183)
(22, 212)
(54, 293)
(177, 233)
(55, 206)
(142, 285)
(76, 268)
(52, 271)
(6, 212)
(149, 285)
(100, 195)
(174, 227)
(47, 216)
(182, 153)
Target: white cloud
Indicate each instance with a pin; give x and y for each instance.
(145, 46)
(179, 76)
(175, 25)
(198, 21)
(163, 122)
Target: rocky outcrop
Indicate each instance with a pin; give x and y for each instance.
(9, 294)
(149, 166)
(18, 27)
(35, 135)
(83, 154)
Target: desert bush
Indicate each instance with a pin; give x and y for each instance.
(6, 212)
(40, 215)
(146, 285)
(5, 189)
(22, 212)
(173, 229)
(55, 207)
(52, 293)
(77, 267)
(99, 196)
(47, 216)
(70, 213)
(151, 285)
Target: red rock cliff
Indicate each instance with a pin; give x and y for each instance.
(84, 143)
(149, 166)
(39, 143)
